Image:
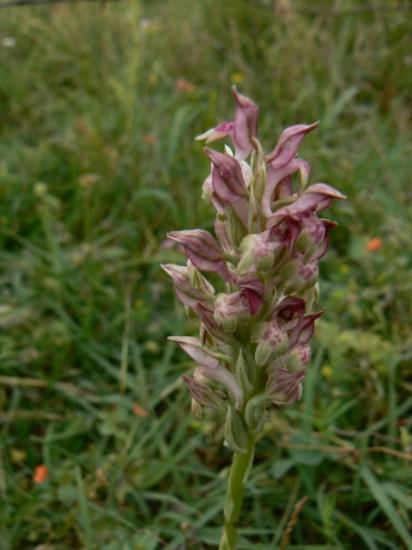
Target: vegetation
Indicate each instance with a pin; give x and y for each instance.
(99, 105)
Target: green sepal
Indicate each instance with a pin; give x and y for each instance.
(255, 411)
(235, 431)
(259, 169)
(243, 373)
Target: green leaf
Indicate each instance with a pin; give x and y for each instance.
(281, 467)
(385, 503)
(310, 456)
(398, 493)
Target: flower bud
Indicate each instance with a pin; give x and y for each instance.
(255, 412)
(273, 343)
(258, 252)
(227, 178)
(284, 387)
(285, 232)
(252, 289)
(203, 394)
(202, 250)
(206, 315)
(230, 310)
(298, 276)
(226, 378)
(298, 357)
(235, 430)
(187, 293)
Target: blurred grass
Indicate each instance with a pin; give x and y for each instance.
(98, 109)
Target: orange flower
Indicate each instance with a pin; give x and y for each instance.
(374, 244)
(149, 139)
(41, 473)
(139, 411)
(183, 85)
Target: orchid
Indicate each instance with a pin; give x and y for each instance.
(255, 328)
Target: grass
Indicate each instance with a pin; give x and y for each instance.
(97, 163)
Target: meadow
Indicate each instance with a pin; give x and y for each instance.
(99, 105)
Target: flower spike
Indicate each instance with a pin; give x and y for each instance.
(255, 330)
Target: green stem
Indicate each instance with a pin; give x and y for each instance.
(239, 472)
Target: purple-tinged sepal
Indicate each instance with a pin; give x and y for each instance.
(245, 125)
(206, 315)
(304, 330)
(273, 342)
(284, 387)
(315, 198)
(258, 251)
(231, 309)
(289, 311)
(188, 293)
(196, 351)
(279, 183)
(202, 250)
(223, 376)
(298, 357)
(227, 177)
(288, 143)
(298, 276)
(203, 394)
(313, 240)
(252, 289)
(220, 131)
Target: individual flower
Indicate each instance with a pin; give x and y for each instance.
(242, 130)
(374, 244)
(202, 250)
(41, 473)
(187, 293)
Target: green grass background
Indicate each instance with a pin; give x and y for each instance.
(97, 163)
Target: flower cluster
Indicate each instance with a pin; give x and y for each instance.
(253, 346)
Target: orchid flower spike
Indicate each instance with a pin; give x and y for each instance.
(257, 319)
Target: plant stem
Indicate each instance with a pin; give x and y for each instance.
(239, 472)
